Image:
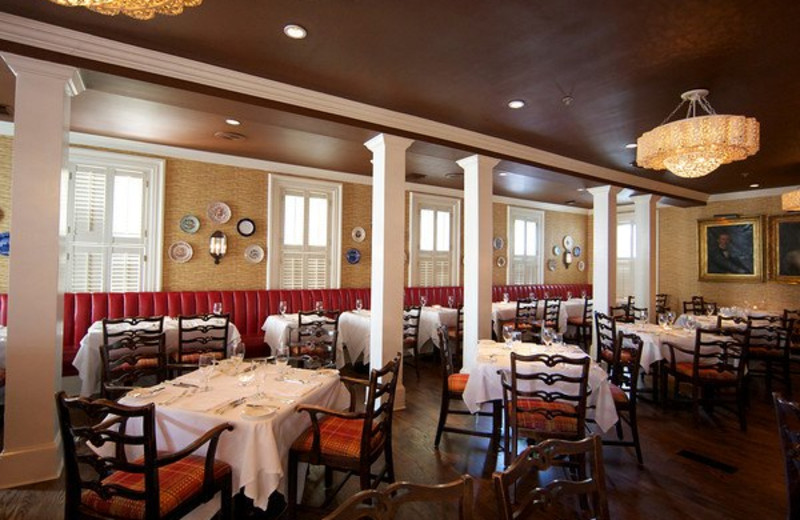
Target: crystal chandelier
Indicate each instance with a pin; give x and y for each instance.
(696, 146)
(139, 9)
(790, 201)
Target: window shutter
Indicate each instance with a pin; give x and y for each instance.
(88, 269)
(442, 267)
(126, 270)
(89, 199)
(317, 271)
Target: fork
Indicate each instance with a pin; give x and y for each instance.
(232, 404)
(174, 398)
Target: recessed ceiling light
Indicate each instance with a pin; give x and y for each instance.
(516, 103)
(503, 174)
(296, 32)
(581, 189)
(630, 145)
(755, 185)
(233, 122)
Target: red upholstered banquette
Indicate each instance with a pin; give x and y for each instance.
(248, 309)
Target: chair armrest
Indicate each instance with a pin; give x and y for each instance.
(351, 383)
(211, 437)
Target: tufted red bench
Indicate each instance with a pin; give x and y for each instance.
(248, 309)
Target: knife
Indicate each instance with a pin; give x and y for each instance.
(232, 404)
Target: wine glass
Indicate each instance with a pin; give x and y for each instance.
(282, 358)
(507, 330)
(547, 336)
(505, 297)
(217, 308)
(359, 304)
(318, 306)
(569, 295)
(282, 307)
(644, 317)
(583, 294)
(558, 338)
(451, 301)
(516, 338)
(205, 365)
(237, 355)
(662, 320)
(247, 374)
(423, 301)
(709, 309)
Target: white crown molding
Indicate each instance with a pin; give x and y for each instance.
(751, 194)
(546, 206)
(65, 41)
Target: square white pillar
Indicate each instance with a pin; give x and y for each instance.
(478, 175)
(644, 265)
(36, 301)
(604, 256)
(388, 258)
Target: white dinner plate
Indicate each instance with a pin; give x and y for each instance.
(257, 411)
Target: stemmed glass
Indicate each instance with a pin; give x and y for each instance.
(282, 307)
(217, 308)
(516, 338)
(205, 365)
(662, 321)
(547, 336)
(507, 330)
(282, 358)
(569, 295)
(359, 304)
(644, 317)
(237, 355)
(709, 310)
(505, 297)
(451, 301)
(423, 301)
(318, 306)
(558, 338)
(247, 374)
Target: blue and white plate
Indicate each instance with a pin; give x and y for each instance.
(5, 243)
(353, 256)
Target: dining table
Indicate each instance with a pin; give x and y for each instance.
(261, 410)
(88, 361)
(503, 312)
(653, 339)
(484, 384)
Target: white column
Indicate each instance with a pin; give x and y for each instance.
(32, 449)
(644, 265)
(477, 253)
(604, 256)
(388, 258)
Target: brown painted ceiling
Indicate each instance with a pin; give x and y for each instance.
(623, 63)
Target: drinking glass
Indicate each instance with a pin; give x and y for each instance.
(662, 320)
(205, 365)
(531, 296)
(282, 358)
(237, 355)
(547, 336)
(282, 307)
(318, 306)
(359, 304)
(644, 317)
(423, 301)
(261, 376)
(451, 301)
(671, 317)
(217, 308)
(507, 330)
(569, 295)
(558, 338)
(516, 339)
(709, 310)
(583, 294)
(247, 374)
(505, 297)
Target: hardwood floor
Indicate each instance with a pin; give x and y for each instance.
(668, 486)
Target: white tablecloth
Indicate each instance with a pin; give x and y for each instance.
(653, 338)
(257, 449)
(502, 312)
(282, 329)
(484, 383)
(89, 363)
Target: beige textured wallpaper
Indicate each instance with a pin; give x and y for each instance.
(356, 212)
(678, 258)
(5, 203)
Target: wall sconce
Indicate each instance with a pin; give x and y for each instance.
(218, 245)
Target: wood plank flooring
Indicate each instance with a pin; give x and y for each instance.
(668, 486)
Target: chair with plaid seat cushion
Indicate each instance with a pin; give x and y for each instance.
(349, 441)
(768, 350)
(411, 319)
(624, 376)
(453, 385)
(102, 482)
(715, 369)
(525, 317)
(541, 402)
(606, 337)
(317, 333)
(200, 334)
(132, 354)
(583, 325)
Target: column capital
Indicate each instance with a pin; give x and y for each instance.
(23, 65)
(647, 198)
(384, 141)
(482, 162)
(604, 190)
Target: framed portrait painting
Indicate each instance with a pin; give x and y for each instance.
(784, 248)
(731, 249)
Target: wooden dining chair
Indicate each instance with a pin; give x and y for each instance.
(717, 365)
(453, 385)
(624, 377)
(200, 334)
(768, 350)
(153, 485)
(349, 441)
(456, 335)
(129, 362)
(525, 317)
(606, 328)
(411, 319)
(384, 504)
(135, 330)
(695, 306)
(621, 313)
(541, 401)
(661, 303)
(550, 317)
(317, 333)
(583, 325)
(581, 494)
(788, 415)
(794, 337)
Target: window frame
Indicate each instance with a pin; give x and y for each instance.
(416, 203)
(279, 184)
(629, 282)
(152, 170)
(513, 213)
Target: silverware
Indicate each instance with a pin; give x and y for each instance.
(232, 404)
(183, 384)
(174, 398)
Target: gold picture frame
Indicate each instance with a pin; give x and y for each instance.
(731, 249)
(784, 248)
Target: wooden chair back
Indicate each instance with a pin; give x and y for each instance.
(133, 330)
(621, 313)
(768, 337)
(788, 414)
(606, 328)
(552, 312)
(202, 334)
(526, 312)
(384, 504)
(661, 303)
(794, 336)
(379, 408)
(127, 363)
(588, 305)
(624, 369)
(584, 497)
(714, 358)
(446, 354)
(317, 335)
(411, 317)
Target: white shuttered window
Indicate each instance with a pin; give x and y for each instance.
(525, 245)
(108, 218)
(626, 254)
(304, 234)
(434, 240)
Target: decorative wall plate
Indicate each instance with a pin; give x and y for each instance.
(219, 212)
(5, 243)
(501, 261)
(568, 242)
(557, 250)
(581, 265)
(498, 243)
(358, 234)
(180, 252)
(254, 253)
(551, 265)
(576, 250)
(246, 227)
(353, 256)
(189, 224)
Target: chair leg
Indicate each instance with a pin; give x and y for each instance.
(635, 433)
(443, 411)
(226, 499)
(387, 454)
(328, 477)
(291, 500)
(366, 479)
(497, 423)
(619, 428)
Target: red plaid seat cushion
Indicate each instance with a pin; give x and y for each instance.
(619, 396)
(624, 356)
(456, 383)
(148, 362)
(338, 438)
(705, 373)
(523, 326)
(177, 482)
(531, 415)
(2, 377)
(578, 321)
(195, 357)
(764, 352)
